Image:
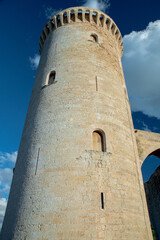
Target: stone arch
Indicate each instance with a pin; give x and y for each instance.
(152, 150)
(150, 164)
(156, 153)
(148, 143)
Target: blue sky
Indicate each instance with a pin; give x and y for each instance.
(21, 26)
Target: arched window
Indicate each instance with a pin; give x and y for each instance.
(94, 37)
(52, 77)
(99, 141)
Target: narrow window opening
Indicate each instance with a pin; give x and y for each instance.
(58, 21)
(102, 200)
(52, 78)
(87, 15)
(116, 34)
(113, 28)
(101, 20)
(96, 84)
(108, 23)
(52, 24)
(94, 15)
(37, 161)
(80, 15)
(47, 29)
(73, 16)
(94, 38)
(99, 141)
(65, 20)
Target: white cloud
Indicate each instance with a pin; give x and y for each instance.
(34, 61)
(3, 204)
(4, 190)
(141, 64)
(102, 5)
(50, 12)
(5, 179)
(7, 162)
(144, 126)
(8, 157)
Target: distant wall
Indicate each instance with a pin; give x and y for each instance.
(152, 188)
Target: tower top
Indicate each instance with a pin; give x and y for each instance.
(77, 15)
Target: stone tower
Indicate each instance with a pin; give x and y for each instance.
(78, 174)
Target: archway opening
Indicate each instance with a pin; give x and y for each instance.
(151, 177)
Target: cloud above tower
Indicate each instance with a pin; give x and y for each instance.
(50, 12)
(3, 203)
(8, 157)
(34, 61)
(141, 64)
(102, 5)
(97, 4)
(7, 162)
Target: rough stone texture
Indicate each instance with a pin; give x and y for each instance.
(58, 179)
(148, 143)
(152, 188)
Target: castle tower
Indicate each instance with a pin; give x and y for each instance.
(78, 175)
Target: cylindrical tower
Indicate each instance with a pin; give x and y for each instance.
(77, 175)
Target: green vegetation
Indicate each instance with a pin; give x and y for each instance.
(153, 232)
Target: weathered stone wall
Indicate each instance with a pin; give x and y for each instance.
(58, 179)
(152, 188)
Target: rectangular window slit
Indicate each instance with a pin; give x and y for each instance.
(37, 161)
(96, 84)
(102, 200)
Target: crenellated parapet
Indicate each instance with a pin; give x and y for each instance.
(81, 14)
